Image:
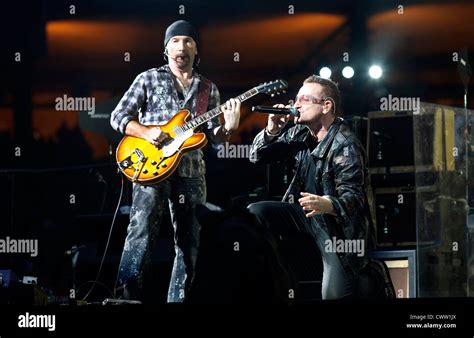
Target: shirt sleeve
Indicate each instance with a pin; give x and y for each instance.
(269, 149)
(128, 107)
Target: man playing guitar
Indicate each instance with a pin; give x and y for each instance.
(152, 99)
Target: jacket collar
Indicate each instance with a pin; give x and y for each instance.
(321, 150)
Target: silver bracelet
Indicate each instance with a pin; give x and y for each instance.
(226, 132)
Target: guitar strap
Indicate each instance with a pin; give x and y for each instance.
(202, 100)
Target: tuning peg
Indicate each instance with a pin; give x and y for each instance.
(272, 95)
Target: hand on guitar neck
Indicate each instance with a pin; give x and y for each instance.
(152, 134)
(231, 112)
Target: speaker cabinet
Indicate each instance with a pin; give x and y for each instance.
(390, 142)
(396, 217)
(390, 149)
(402, 267)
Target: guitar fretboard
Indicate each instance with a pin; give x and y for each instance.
(196, 122)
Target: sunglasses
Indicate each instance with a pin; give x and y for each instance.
(308, 99)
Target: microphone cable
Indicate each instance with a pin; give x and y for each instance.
(96, 281)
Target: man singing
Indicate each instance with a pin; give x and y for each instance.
(327, 197)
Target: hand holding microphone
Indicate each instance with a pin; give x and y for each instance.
(276, 122)
(279, 116)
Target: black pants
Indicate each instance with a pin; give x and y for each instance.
(282, 218)
(182, 195)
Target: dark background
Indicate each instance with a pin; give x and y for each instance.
(82, 55)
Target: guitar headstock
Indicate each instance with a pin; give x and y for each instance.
(273, 88)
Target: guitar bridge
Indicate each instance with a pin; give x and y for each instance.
(128, 163)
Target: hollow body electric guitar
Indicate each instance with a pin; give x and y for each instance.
(144, 163)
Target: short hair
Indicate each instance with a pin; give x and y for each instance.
(330, 89)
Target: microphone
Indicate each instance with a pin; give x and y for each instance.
(167, 55)
(272, 110)
(197, 59)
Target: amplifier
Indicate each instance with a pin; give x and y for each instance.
(396, 216)
(390, 146)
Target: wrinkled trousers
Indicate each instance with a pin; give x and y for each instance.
(287, 218)
(182, 194)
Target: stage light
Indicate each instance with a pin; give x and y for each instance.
(375, 72)
(348, 72)
(325, 72)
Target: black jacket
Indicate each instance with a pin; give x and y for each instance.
(340, 173)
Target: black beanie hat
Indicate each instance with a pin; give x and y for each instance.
(181, 27)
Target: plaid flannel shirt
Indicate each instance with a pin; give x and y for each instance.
(152, 99)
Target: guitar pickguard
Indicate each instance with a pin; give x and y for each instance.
(171, 148)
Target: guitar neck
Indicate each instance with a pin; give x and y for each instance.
(196, 122)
